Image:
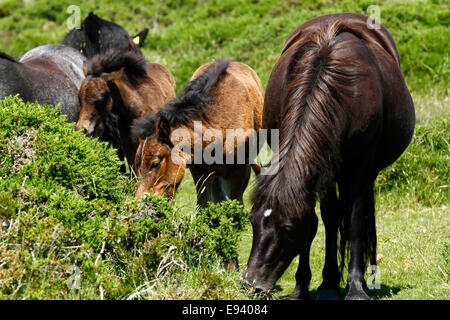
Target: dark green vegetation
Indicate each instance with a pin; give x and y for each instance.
(75, 211)
(66, 215)
(186, 34)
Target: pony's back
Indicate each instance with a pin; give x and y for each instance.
(49, 74)
(66, 58)
(10, 81)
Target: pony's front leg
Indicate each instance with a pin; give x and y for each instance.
(202, 179)
(303, 274)
(235, 181)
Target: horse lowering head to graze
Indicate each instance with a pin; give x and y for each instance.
(122, 83)
(52, 74)
(221, 96)
(96, 36)
(49, 74)
(344, 112)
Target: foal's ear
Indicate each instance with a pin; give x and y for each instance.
(164, 131)
(114, 76)
(85, 69)
(140, 37)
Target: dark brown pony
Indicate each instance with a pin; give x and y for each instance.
(122, 83)
(223, 95)
(344, 113)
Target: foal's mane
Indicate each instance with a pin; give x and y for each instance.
(7, 57)
(134, 64)
(191, 104)
(312, 121)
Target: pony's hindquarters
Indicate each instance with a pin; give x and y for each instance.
(164, 80)
(398, 111)
(235, 114)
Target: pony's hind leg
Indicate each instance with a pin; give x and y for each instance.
(359, 225)
(331, 212)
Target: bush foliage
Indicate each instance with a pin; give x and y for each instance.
(70, 229)
(421, 174)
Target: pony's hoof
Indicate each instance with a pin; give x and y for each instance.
(328, 294)
(299, 296)
(357, 295)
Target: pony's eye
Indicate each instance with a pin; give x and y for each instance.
(155, 165)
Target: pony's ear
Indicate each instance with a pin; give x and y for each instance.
(143, 127)
(164, 131)
(114, 76)
(140, 37)
(85, 69)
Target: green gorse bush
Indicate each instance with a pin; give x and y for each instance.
(69, 225)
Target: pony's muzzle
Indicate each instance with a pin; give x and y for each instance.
(168, 191)
(255, 284)
(87, 126)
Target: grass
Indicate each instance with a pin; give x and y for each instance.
(186, 34)
(412, 196)
(413, 221)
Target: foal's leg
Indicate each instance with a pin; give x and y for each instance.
(202, 180)
(303, 274)
(361, 232)
(233, 186)
(331, 213)
(235, 181)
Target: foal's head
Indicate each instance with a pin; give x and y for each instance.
(100, 90)
(96, 99)
(159, 165)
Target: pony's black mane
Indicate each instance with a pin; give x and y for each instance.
(7, 57)
(191, 104)
(114, 59)
(311, 125)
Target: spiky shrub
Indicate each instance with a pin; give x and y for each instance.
(214, 232)
(69, 226)
(55, 152)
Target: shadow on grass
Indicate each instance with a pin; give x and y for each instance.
(375, 294)
(385, 292)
